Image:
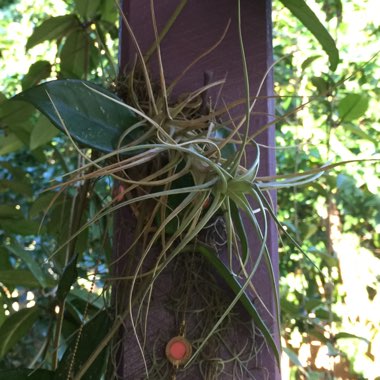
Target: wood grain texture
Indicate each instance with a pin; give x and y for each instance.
(198, 27)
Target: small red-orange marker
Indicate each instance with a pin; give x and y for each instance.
(178, 350)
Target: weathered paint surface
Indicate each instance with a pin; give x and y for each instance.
(198, 27)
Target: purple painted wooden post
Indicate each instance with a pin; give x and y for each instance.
(198, 27)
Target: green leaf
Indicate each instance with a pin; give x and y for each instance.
(356, 130)
(28, 259)
(234, 285)
(42, 133)
(109, 13)
(26, 374)
(75, 55)
(20, 227)
(69, 277)
(92, 335)
(9, 144)
(37, 72)
(292, 356)
(12, 112)
(20, 186)
(52, 28)
(86, 296)
(90, 118)
(301, 10)
(4, 260)
(10, 212)
(15, 327)
(353, 106)
(308, 61)
(42, 203)
(88, 8)
(346, 335)
(20, 277)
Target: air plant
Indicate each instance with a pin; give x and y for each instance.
(178, 168)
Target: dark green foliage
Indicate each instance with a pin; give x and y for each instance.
(90, 114)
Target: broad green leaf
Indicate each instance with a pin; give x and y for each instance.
(356, 130)
(90, 118)
(18, 186)
(92, 334)
(20, 277)
(42, 133)
(353, 106)
(308, 61)
(10, 143)
(12, 112)
(109, 13)
(234, 285)
(20, 227)
(75, 55)
(15, 327)
(10, 212)
(321, 84)
(52, 28)
(37, 72)
(69, 277)
(301, 10)
(16, 172)
(26, 374)
(88, 8)
(42, 203)
(5, 263)
(28, 259)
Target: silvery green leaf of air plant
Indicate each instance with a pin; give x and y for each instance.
(301, 10)
(86, 111)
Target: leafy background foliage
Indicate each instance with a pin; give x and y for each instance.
(328, 322)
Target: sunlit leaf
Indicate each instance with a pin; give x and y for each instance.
(346, 335)
(52, 28)
(88, 8)
(303, 12)
(37, 72)
(292, 356)
(89, 117)
(353, 106)
(15, 327)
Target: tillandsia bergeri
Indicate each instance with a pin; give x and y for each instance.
(179, 165)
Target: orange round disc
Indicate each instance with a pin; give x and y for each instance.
(178, 350)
